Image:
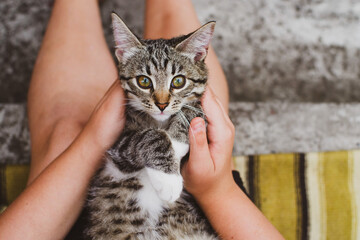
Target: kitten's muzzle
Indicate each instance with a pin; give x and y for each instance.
(161, 106)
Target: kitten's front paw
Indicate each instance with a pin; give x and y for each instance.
(168, 186)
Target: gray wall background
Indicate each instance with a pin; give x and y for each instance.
(298, 51)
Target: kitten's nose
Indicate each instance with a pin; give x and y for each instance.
(161, 106)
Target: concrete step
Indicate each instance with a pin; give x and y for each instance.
(277, 127)
(298, 51)
(260, 128)
(14, 134)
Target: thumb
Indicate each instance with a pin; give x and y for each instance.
(199, 149)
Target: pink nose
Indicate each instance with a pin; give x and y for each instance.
(161, 106)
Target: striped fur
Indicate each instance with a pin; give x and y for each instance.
(138, 194)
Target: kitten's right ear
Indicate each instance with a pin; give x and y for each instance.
(197, 43)
(126, 43)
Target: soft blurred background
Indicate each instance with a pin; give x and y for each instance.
(293, 69)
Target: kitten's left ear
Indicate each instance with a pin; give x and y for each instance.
(126, 43)
(197, 44)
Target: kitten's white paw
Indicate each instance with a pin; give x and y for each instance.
(168, 186)
(180, 149)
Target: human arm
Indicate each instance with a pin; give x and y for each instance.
(208, 177)
(52, 202)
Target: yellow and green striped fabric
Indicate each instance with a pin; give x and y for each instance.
(306, 196)
(311, 196)
(13, 180)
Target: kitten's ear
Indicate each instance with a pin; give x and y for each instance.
(197, 44)
(126, 43)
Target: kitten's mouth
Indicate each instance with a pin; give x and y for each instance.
(161, 116)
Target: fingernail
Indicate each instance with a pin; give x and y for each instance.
(198, 127)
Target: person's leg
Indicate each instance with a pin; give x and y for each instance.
(167, 19)
(73, 71)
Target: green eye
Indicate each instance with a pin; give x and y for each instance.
(144, 82)
(178, 82)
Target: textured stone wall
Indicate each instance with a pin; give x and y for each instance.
(260, 128)
(289, 50)
(14, 134)
(295, 127)
(22, 25)
(302, 51)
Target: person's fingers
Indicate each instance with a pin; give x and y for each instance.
(115, 90)
(219, 124)
(225, 114)
(108, 119)
(210, 94)
(199, 149)
(115, 98)
(112, 105)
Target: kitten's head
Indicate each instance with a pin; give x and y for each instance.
(161, 76)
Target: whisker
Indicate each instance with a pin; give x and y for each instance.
(187, 121)
(194, 109)
(182, 119)
(140, 114)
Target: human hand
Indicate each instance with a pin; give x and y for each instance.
(63, 184)
(107, 120)
(208, 174)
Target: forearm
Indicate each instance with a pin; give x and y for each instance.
(234, 216)
(51, 204)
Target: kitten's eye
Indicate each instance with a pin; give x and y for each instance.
(178, 82)
(144, 82)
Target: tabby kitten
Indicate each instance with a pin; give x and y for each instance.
(138, 194)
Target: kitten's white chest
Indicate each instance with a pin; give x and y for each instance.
(180, 149)
(148, 198)
(158, 188)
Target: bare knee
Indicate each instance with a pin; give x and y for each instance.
(63, 134)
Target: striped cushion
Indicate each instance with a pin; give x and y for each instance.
(306, 196)
(13, 180)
